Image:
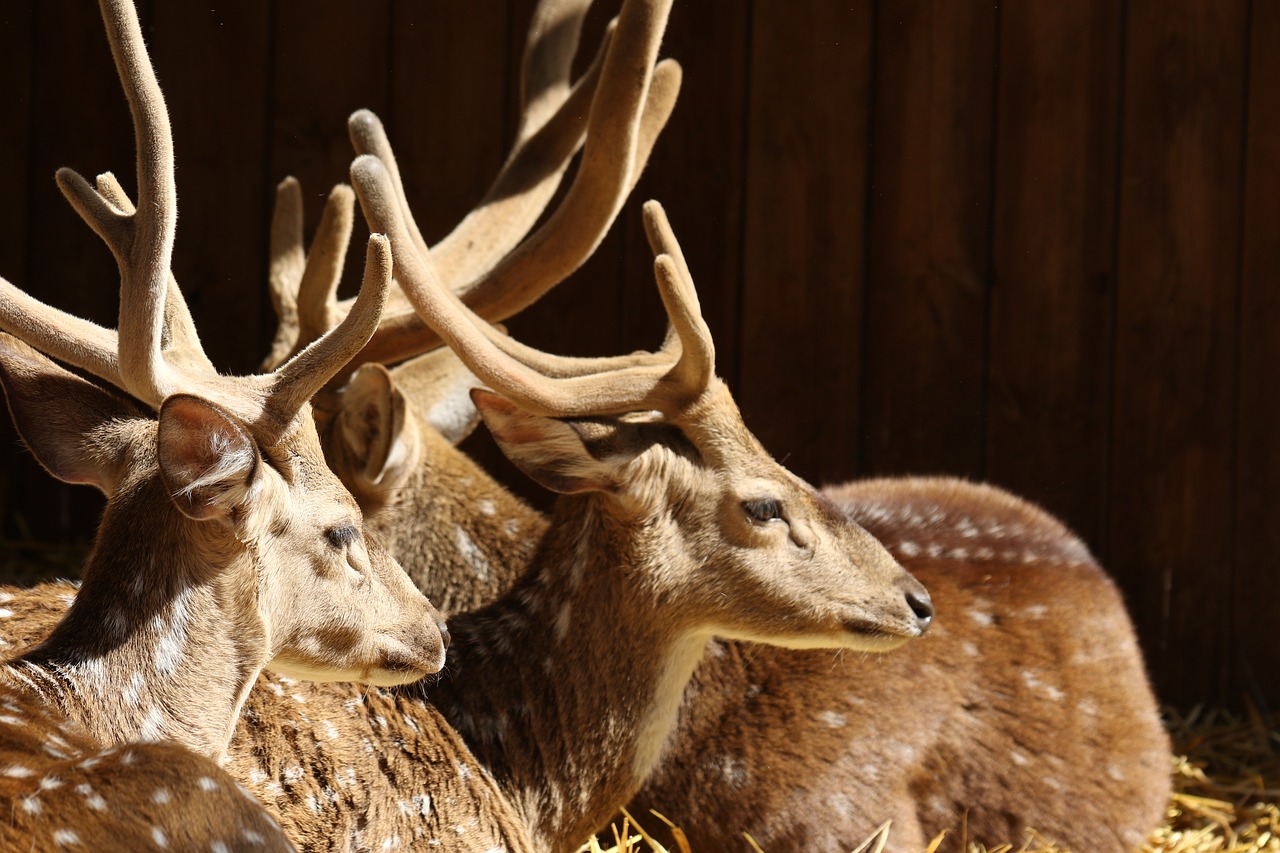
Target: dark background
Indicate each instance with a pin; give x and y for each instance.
(1029, 242)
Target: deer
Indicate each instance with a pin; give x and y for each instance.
(337, 762)
(226, 547)
(1016, 675)
(391, 437)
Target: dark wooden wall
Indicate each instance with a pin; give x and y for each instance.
(1028, 242)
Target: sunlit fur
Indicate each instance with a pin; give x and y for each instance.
(567, 688)
(753, 717)
(196, 582)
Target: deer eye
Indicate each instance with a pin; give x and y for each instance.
(763, 510)
(340, 537)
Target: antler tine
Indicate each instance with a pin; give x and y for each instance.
(285, 269)
(630, 107)
(297, 381)
(144, 273)
(553, 120)
(322, 273)
(180, 342)
(642, 383)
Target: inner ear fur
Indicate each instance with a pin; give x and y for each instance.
(550, 451)
(208, 460)
(379, 439)
(79, 432)
(439, 385)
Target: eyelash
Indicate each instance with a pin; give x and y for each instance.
(763, 510)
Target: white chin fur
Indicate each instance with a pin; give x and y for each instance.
(837, 640)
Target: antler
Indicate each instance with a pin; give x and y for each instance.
(156, 351)
(623, 101)
(668, 381)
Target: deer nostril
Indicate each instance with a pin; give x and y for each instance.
(922, 606)
(444, 632)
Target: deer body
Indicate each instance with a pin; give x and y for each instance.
(1029, 708)
(227, 544)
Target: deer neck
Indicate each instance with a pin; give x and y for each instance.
(163, 640)
(568, 686)
(463, 539)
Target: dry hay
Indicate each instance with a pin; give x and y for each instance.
(1226, 796)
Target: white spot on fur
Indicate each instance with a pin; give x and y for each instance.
(152, 725)
(5, 613)
(219, 847)
(1114, 773)
(17, 771)
(49, 783)
(511, 527)
(1035, 611)
(207, 784)
(161, 840)
(909, 549)
(65, 837)
(91, 798)
(161, 796)
(563, 618)
(1019, 759)
(134, 690)
(969, 649)
(981, 619)
(472, 553)
(832, 719)
(253, 837)
(330, 730)
(31, 805)
(486, 506)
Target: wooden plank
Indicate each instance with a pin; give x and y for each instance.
(1054, 257)
(929, 238)
(1255, 655)
(212, 62)
(78, 118)
(1171, 485)
(448, 99)
(696, 171)
(17, 54)
(804, 253)
(329, 60)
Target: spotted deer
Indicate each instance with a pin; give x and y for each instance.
(226, 546)
(1035, 649)
(1036, 711)
(340, 764)
(673, 525)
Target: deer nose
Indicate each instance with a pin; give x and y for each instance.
(444, 632)
(922, 606)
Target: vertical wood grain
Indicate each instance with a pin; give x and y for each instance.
(1171, 518)
(930, 217)
(1254, 654)
(1050, 336)
(214, 67)
(804, 253)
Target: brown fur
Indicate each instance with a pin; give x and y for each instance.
(340, 766)
(764, 708)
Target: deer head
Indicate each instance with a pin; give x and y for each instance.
(656, 439)
(223, 500)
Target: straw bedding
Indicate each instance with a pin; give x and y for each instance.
(1227, 797)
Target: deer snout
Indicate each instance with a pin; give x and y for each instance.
(921, 606)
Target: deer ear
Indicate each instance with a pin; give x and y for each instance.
(208, 460)
(439, 385)
(551, 451)
(65, 421)
(379, 442)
